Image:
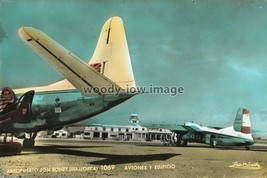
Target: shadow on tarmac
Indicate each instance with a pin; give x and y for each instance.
(255, 147)
(108, 158)
(252, 148)
(260, 148)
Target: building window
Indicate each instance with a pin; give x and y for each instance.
(96, 135)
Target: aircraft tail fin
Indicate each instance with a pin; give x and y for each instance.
(242, 121)
(111, 56)
(110, 66)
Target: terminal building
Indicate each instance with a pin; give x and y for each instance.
(131, 132)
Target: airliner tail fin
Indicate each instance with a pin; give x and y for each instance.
(242, 121)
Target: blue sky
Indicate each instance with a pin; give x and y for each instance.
(216, 50)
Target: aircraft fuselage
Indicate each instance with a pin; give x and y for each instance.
(220, 139)
(55, 109)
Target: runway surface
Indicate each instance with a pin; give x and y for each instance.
(87, 158)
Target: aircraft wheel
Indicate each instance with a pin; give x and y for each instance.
(212, 143)
(178, 143)
(28, 143)
(184, 142)
(10, 148)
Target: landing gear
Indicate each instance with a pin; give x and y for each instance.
(29, 142)
(9, 148)
(180, 141)
(184, 142)
(212, 142)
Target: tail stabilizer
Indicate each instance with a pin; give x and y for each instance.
(111, 57)
(242, 121)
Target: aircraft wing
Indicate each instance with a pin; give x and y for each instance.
(193, 127)
(188, 127)
(77, 72)
(171, 127)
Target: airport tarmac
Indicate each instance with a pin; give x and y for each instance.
(88, 158)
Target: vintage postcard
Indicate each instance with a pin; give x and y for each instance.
(134, 88)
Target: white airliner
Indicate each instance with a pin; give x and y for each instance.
(237, 135)
(88, 89)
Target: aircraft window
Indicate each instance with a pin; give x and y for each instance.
(92, 104)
